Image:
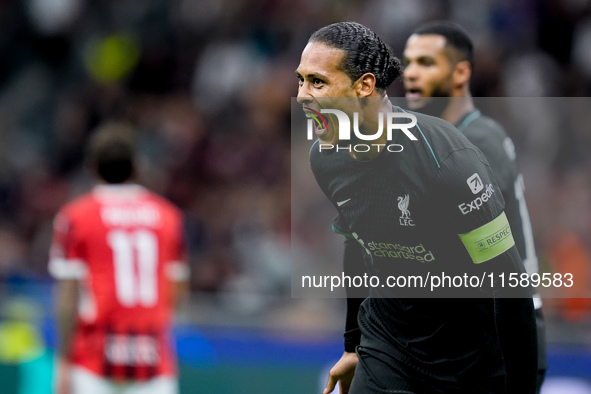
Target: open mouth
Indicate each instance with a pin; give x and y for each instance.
(414, 93)
(321, 122)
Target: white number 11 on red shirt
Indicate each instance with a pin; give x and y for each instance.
(135, 258)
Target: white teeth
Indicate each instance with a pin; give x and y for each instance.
(320, 130)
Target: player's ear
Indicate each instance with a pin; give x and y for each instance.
(462, 73)
(365, 85)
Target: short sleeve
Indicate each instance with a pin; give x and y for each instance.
(66, 256)
(474, 205)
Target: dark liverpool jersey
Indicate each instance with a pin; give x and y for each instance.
(432, 209)
(488, 136)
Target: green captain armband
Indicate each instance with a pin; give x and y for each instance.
(490, 240)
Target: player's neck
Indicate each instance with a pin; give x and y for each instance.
(459, 105)
(370, 126)
(103, 183)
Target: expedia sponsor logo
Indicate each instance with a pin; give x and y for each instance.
(495, 238)
(397, 251)
(475, 204)
(475, 183)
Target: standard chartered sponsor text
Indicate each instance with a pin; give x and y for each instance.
(397, 251)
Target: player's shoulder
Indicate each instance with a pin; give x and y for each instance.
(490, 137)
(457, 157)
(431, 123)
(443, 139)
(79, 206)
(167, 208)
(485, 129)
(489, 123)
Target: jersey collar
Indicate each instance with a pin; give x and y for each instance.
(120, 191)
(467, 119)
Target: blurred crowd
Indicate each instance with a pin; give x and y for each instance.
(208, 85)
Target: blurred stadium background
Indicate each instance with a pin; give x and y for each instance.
(208, 82)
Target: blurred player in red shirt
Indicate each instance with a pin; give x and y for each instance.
(118, 254)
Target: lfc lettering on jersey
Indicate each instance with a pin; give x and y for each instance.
(406, 222)
(132, 350)
(145, 215)
(475, 204)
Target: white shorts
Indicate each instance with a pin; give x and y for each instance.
(85, 382)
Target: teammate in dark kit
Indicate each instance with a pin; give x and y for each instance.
(433, 206)
(439, 61)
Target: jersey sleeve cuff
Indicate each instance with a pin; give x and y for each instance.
(352, 339)
(61, 268)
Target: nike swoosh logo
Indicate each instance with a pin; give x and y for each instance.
(339, 203)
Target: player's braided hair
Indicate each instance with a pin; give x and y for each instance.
(366, 52)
